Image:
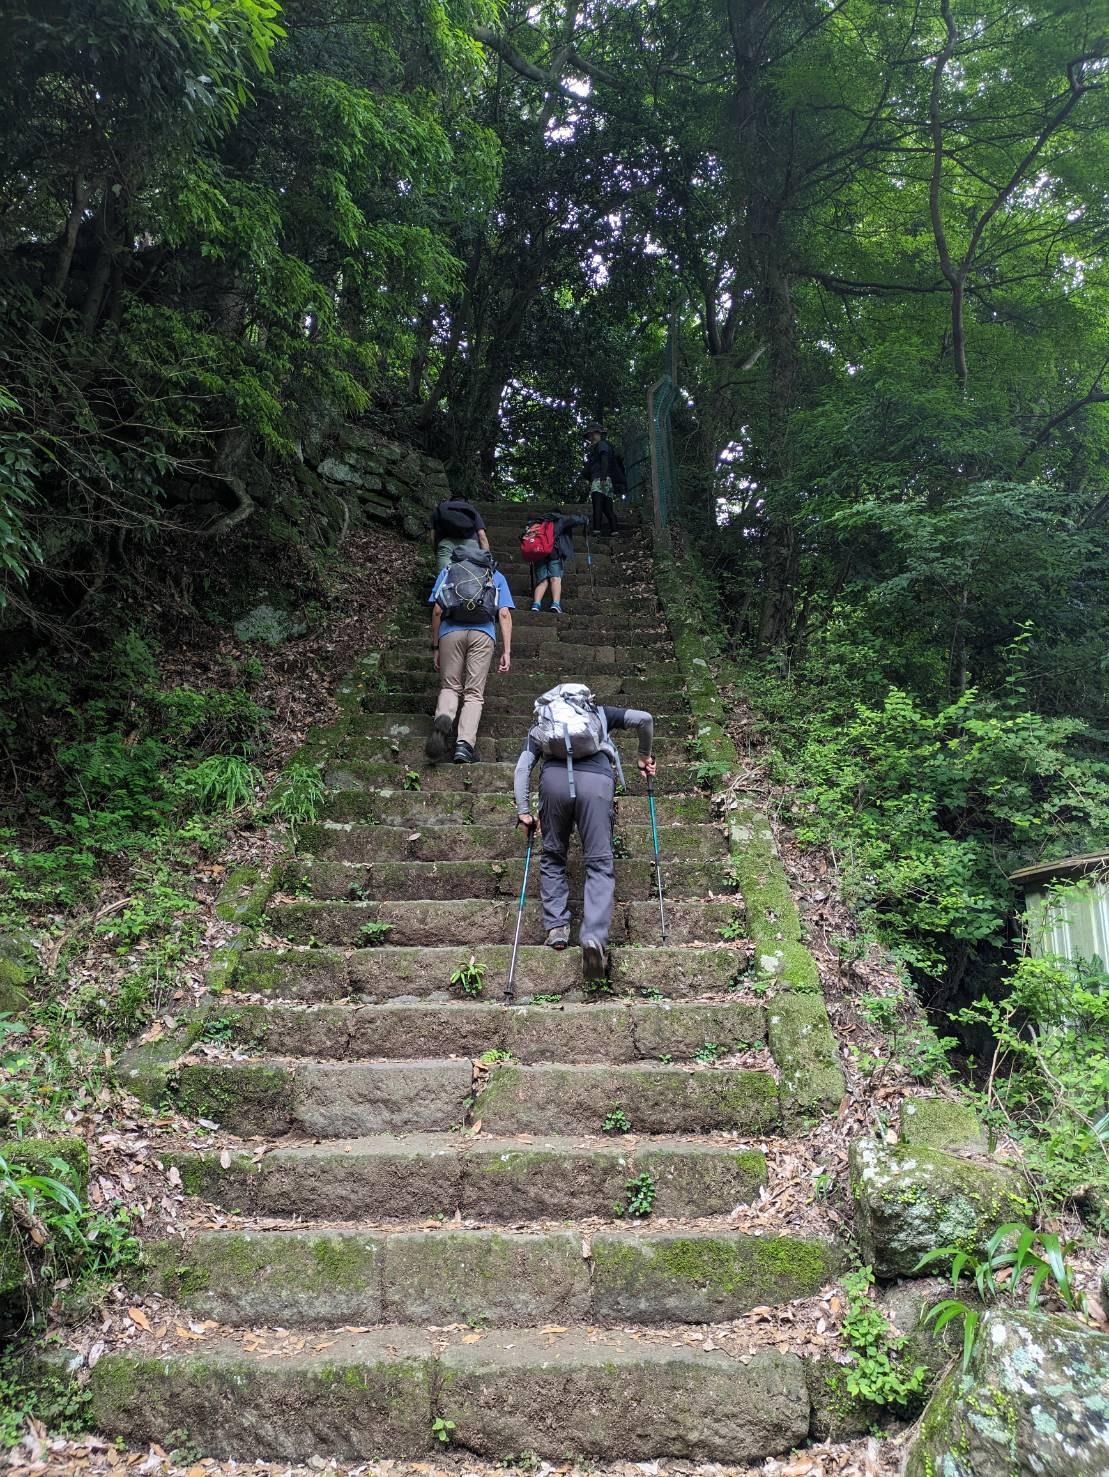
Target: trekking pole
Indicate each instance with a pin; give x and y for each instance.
(589, 561)
(658, 863)
(510, 983)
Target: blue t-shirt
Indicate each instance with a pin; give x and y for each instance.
(504, 602)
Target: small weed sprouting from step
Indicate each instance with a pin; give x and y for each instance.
(546, 999)
(469, 977)
(411, 779)
(493, 1057)
(666, 1058)
(297, 794)
(651, 992)
(596, 989)
(732, 931)
(616, 1121)
(1011, 1251)
(822, 1184)
(639, 1196)
(733, 872)
(373, 935)
(218, 1029)
(704, 773)
(878, 1373)
(709, 1052)
(441, 1429)
(619, 847)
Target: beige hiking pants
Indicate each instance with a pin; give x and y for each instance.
(464, 658)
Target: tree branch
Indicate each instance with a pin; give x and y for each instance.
(1095, 395)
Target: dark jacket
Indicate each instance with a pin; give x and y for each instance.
(598, 460)
(564, 535)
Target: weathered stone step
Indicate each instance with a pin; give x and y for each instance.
(568, 1033)
(657, 1099)
(618, 1397)
(635, 879)
(348, 842)
(481, 778)
(630, 622)
(405, 716)
(655, 660)
(324, 1099)
(413, 808)
(495, 1181)
(522, 703)
(530, 680)
(321, 1278)
(409, 752)
(462, 921)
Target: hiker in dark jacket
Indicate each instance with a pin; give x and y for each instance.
(455, 521)
(592, 809)
(551, 570)
(600, 461)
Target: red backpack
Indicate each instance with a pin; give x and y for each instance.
(538, 541)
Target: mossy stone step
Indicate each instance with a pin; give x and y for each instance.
(318, 1278)
(522, 704)
(530, 679)
(497, 1181)
(414, 809)
(540, 1033)
(271, 1097)
(481, 778)
(635, 879)
(627, 622)
(378, 1393)
(459, 922)
(406, 720)
(656, 1099)
(357, 843)
(531, 642)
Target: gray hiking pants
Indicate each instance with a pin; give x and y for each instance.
(592, 813)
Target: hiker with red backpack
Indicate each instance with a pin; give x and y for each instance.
(470, 600)
(548, 546)
(577, 787)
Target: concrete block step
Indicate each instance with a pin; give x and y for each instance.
(539, 1033)
(521, 706)
(349, 842)
(481, 778)
(378, 1392)
(320, 1278)
(414, 809)
(495, 1181)
(392, 972)
(462, 921)
(381, 881)
(657, 1099)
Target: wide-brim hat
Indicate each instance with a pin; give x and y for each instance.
(594, 426)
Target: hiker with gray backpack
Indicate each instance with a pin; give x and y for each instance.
(469, 601)
(577, 787)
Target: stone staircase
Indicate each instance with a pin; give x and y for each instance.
(426, 1234)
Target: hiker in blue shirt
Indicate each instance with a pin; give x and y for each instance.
(469, 600)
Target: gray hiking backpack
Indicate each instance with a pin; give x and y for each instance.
(570, 724)
(468, 594)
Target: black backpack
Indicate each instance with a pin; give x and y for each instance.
(617, 471)
(459, 521)
(468, 594)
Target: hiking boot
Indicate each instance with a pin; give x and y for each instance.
(594, 960)
(556, 608)
(558, 938)
(438, 740)
(463, 752)
(535, 605)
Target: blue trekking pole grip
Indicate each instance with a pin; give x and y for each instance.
(658, 862)
(510, 983)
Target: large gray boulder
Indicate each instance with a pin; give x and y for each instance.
(1034, 1403)
(910, 1199)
